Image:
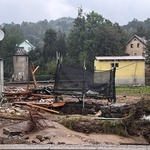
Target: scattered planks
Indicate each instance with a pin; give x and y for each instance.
(27, 95)
(43, 106)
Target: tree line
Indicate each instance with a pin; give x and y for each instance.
(76, 40)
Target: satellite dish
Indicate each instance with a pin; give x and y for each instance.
(1, 35)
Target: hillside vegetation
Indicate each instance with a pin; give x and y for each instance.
(74, 40)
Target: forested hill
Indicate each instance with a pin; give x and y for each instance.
(91, 35)
(141, 28)
(34, 32)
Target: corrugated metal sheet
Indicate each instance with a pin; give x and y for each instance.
(120, 58)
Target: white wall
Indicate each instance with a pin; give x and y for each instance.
(1, 76)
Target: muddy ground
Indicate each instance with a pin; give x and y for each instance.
(75, 125)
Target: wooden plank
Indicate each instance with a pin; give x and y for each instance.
(32, 98)
(42, 95)
(44, 104)
(12, 117)
(35, 69)
(46, 109)
(33, 76)
(48, 99)
(17, 93)
(58, 104)
(12, 97)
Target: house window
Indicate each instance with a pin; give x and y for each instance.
(131, 45)
(143, 54)
(135, 54)
(114, 65)
(138, 45)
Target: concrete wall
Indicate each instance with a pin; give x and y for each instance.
(128, 72)
(20, 67)
(130, 81)
(1, 76)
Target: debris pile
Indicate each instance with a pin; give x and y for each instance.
(135, 122)
(20, 106)
(24, 111)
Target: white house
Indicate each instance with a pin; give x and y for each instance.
(25, 45)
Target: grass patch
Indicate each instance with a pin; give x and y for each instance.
(114, 127)
(70, 122)
(101, 126)
(133, 90)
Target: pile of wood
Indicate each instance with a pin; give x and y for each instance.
(41, 101)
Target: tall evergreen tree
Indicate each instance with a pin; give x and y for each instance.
(91, 36)
(50, 40)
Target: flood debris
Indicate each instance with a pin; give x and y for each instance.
(23, 111)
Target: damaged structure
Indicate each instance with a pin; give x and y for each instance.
(20, 62)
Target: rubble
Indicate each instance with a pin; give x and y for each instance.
(31, 109)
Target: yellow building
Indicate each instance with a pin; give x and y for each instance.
(136, 46)
(130, 70)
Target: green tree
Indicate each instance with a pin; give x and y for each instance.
(8, 48)
(61, 43)
(50, 40)
(147, 54)
(92, 36)
(54, 43)
(75, 40)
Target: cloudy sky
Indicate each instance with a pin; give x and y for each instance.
(120, 11)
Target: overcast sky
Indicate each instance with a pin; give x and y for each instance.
(120, 11)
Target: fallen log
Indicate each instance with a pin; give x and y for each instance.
(46, 109)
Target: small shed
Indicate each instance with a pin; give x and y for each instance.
(130, 70)
(1, 76)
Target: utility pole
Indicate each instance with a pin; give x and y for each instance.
(1, 66)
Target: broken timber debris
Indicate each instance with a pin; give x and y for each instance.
(12, 117)
(33, 74)
(50, 110)
(44, 104)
